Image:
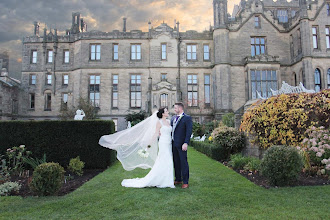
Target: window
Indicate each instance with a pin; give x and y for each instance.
(163, 100)
(48, 101)
(293, 13)
(33, 79)
(192, 52)
(192, 90)
(48, 79)
(164, 75)
(115, 91)
(291, 46)
(136, 52)
(318, 86)
(257, 22)
(50, 56)
(64, 105)
(262, 81)
(34, 56)
(94, 90)
(282, 16)
(328, 9)
(136, 99)
(206, 52)
(164, 51)
(299, 41)
(294, 79)
(66, 55)
(115, 121)
(327, 37)
(207, 88)
(65, 79)
(95, 52)
(315, 38)
(115, 52)
(258, 46)
(32, 100)
(329, 78)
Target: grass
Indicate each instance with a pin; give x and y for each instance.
(215, 192)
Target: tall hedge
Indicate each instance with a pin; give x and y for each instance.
(284, 119)
(60, 140)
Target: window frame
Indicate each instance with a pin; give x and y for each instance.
(319, 83)
(255, 45)
(115, 91)
(163, 78)
(52, 57)
(327, 37)
(63, 79)
(193, 91)
(282, 18)
(95, 59)
(64, 56)
(32, 101)
(315, 38)
(207, 86)
(48, 102)
(163, 52)
(136, 85)
(34, 58)
(328, 75)
(64, 105)
(49, 77)
(191, 52)
(136, 52)
(264, 86)
(31, 79)
(257, 23)
(96, 89)
(206, 52)
(114, 52)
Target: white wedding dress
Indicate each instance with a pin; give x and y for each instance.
(161, 175)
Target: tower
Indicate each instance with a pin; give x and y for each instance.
(220, 13)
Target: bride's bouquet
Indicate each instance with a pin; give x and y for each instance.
(144, 152)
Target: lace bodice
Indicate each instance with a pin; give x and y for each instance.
(165, 129)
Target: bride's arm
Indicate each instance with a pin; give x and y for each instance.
(156, 134)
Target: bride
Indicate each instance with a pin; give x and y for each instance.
(137, 147)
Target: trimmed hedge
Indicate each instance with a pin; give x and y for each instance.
(211, 150)
(60, 140)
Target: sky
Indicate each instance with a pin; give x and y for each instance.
(17, 17)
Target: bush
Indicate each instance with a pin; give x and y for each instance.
(284, 119)
(16, 157)
(229, 120)
(253, 164)
(60, 140)
(85, 105)
(230, 140)
(4, 170)
(9, 187)
(47, 179)
(281, 165)
(205, 128)
(76, 166)
(237, 161)
(34, 162)
(136, 117)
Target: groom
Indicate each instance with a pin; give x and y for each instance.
(181, 132)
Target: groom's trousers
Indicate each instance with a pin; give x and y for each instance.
(181, 166)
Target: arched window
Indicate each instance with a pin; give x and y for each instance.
(317, 80)
(329, 78)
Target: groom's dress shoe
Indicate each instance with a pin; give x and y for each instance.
(177, 182)
(185, 186)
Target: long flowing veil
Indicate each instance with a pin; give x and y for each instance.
(128, 142)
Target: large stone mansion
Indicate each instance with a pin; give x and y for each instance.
(213, 72)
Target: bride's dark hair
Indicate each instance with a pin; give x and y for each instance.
(161, 112)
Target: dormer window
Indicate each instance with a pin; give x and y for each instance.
(282, 16)
(257, 22)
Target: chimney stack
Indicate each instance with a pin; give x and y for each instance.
(124, 28)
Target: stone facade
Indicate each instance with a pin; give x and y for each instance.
(283, 29)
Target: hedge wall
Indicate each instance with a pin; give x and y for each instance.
(209, 149)
(60, 140)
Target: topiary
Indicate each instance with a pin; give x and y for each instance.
(47, 179)
(281, 165)
(76, 166)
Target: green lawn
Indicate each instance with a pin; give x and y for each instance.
(215, 192)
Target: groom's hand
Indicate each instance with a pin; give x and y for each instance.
(185, 147)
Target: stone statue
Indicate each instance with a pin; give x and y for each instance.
(80, 114)
(129, 125)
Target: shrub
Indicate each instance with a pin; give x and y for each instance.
(4, 170)
(84, 104)
(47, 179)
(229, 120)
(237, 161)
(76, 166)
(253, 164)
(281, 165)
(9, 187)
(284, 119)
(136, 117)
(60, 140)
(229, 139)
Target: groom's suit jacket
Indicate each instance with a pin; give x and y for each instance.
(182, 130)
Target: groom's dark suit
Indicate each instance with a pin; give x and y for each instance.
(181, 135)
